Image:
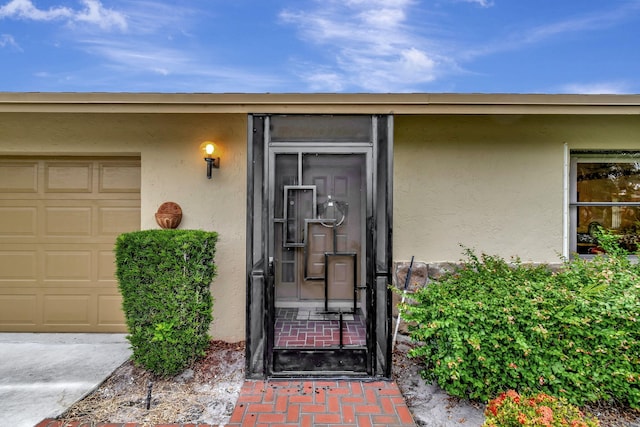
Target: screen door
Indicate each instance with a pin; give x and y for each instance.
(324, 311)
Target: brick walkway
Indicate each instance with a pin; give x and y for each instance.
(313, 403)
(308, 403)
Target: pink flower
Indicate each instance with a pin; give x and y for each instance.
(546, 415)
(522, 418)
(495, 404)
(513, 395)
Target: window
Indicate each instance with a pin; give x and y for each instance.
(605, 191)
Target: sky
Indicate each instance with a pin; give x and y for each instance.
(309, 46)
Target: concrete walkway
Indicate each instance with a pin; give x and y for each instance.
(41, 375)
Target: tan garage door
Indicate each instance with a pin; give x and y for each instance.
(59, 218)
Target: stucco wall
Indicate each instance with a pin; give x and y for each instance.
(173, 169)
(493, 183)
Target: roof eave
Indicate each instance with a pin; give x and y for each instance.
(317, 103)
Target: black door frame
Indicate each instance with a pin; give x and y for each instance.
(378, 263)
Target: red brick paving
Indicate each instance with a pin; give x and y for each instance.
(314, 403)
(319, 333)
(306, 403)
(314, 333)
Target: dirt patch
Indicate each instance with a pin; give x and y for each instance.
(429, 404)
(207, 393)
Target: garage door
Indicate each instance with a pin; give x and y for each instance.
(59, 218)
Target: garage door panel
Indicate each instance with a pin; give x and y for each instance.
(106, 266)
(19, 310)
(119, 177)
(60, 222)
(110, 311)
(18, 221)
(114, 221)
(67, 310)
(67, 265)
(68, 221)
(65, 220)
(19, 265)
(83, 310)
(68, 177)
(19, 177)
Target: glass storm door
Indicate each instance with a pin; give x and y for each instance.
(325, 300)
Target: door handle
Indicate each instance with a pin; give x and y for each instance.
(271, 268)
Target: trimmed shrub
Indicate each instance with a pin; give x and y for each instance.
(493, 326)
(164, 278)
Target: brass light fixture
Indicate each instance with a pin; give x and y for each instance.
(212, 162)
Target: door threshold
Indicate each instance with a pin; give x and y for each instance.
(331, 375)
(312, 305)
(320, 361)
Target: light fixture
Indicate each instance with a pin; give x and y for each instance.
(212, 162)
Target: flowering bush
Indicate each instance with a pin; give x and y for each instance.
(494, 325)
(541, 410)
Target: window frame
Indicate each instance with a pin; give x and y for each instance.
(592, 156)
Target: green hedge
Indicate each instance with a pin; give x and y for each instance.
(496, 325)
(164, 278)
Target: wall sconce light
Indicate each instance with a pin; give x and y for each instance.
(212, 162)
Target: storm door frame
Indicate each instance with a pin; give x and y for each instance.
(260, 309)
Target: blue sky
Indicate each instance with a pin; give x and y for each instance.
(480, 46)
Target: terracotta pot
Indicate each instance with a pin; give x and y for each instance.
(169, 215)
(168, 220)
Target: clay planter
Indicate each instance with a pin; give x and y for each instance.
(169, 215)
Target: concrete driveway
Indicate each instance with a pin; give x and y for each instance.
(41, 375)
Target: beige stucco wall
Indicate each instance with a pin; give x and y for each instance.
(490, 183)
(493, 183)
(173, 169)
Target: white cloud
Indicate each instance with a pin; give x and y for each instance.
(150, 16)
(548, 32)
(150, 55)
(596, 88)
(388, 45)
(320, 81)
(130, 59)
(138, 56)
(24, 9)
(93, 13)
(146, 57)
(7, 40)
(416, 60)
(371, 44)
(577, 24)
(383, 18)
(481, 3)
(379, 3)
